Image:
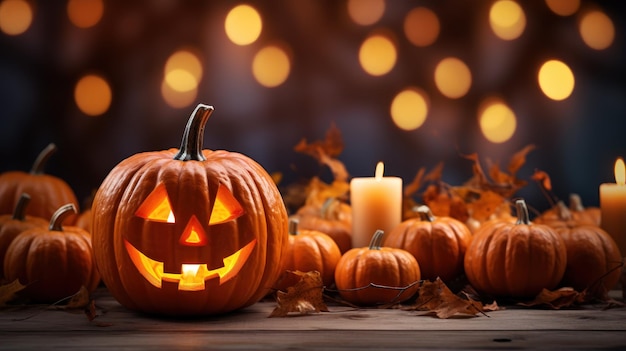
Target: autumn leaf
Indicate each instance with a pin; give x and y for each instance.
(519, 159)
(8, 291)
(556, 299)
(543, 179)
(306, 296)
(332, 145)
(436, 298)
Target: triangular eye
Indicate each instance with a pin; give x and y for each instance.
(156, 207)
(226, 207)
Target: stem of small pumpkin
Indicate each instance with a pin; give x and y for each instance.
(59, 216)
(19, 213)
(522, 212)
(425, 213)
(191, 146)
(326, 207)
(293, 226)
(42, 159)
(377, 240)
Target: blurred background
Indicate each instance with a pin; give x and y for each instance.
(409, 83)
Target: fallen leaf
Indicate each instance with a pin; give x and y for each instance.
(556, 299)
(90, 310)
(306, 296)
(436, 298)
(8, 291)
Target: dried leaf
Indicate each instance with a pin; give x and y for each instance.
(415, 184)
(306, 296)
(8, 291)
(332, 145)
(519, 159)
(436, 298)
(557, 299)
(90, 310)
(486, 205)
(543, 179)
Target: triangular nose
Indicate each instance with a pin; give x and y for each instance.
(193, 235)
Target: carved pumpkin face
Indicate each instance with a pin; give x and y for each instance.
(189, 231)
(191, 276)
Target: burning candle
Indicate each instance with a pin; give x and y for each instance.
(376, 205)
(613, 206)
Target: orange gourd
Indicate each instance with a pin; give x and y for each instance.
(309, 250)
(47, 192)
(333, 218)
(593, 257)
(437, 243)
(189, 231)
(54, 262)
(384, 266)
(515, 259)
(12, 225)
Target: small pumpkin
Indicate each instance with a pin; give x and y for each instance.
(309, 250)
(333, 218)
(437, 243)
(189, 231)
(576, 211)
(47, 192)
(53, 262)
(383, 266)
(515, 259)
(12, 225)
(593, 257)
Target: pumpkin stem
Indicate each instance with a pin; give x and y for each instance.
(576, 203)
(293, 226)
(522, 212)
(562, 211)
(425, 213)
(19, 213)
(326, 207)
(191, 146)
(42, 159)
(377, 240)
(59, 216)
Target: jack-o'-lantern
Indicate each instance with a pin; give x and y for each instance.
(189, 231)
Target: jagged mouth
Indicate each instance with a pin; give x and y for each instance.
(192, 276)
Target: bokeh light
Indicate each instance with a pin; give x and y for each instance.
(85, 13)
(377, 55)
(453, 78)
(177, 99)
(183, 71)
(421, 26)
(556, 80)
(16, 16)
(507, 19)
(93, 95)
(496, 120)
(243, 25)
(563, 7)
(409, 108)
(596, 29)
(366, 12)
(271, 66)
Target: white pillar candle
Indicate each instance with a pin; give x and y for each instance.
(613, 206)
(376, 204)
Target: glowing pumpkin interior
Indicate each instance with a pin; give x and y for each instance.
(157, 208)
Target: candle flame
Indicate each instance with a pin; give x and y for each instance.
(620, 172)
(380, 168)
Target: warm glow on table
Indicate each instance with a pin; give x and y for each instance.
(376, 204)
(613, 206)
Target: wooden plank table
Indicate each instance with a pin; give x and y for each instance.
(343, 328)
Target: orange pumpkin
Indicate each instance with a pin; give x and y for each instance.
(309, 250)
(437, 243)
(334, 218)
(593, 257)
(12, 225)
(53, 262)
(515, 259)
(47, 192)
(575, 212)
(396, 270)
(189, 231)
